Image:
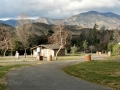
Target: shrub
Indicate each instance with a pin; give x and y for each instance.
(73, 49)
(116, 49)
(110, 46)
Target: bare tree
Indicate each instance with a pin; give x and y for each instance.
(23, 30)
(91, 48)
(12, 45)
(4, 38)
(61, 37)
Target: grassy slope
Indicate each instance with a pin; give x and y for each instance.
(101, 72)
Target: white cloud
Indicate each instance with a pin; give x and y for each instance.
(55, 8)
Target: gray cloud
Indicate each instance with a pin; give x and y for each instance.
(55, 8)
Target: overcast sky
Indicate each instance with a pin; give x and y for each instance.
(55, 9)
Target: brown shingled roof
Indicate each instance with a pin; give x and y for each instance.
(50, 46)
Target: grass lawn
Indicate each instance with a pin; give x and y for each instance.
(105, 72)
(3, 72)
(9, 58)
(67, 57)
(70, 56)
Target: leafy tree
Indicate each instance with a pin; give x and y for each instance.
(116, 36)
(95, 26)
(93, 35)
(37, 40)
(50, 32)
(110, 46)
(85, 45)
(17, 45)
(73, 49)
(116, 49)
(99, 38)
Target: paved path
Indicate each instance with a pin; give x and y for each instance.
(48, 76)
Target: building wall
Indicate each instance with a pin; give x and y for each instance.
(47, 52)
(34, 53)
(61, 53)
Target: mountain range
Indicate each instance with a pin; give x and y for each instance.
(10, 22)
(85, 20)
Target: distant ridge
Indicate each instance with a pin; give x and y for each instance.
(10, 22)
(85, 20)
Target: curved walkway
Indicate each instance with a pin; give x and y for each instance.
(48, 76)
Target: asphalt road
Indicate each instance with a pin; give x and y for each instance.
(49, 76)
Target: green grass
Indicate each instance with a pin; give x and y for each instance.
(3, 71)
(76, 54)
(8, 58)
(70, 56)
(67, 57)
(105, 73)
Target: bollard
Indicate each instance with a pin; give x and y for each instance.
(41, 58)
(88, 57)
(97, 53)
(17, 54)
(109, 53)
(49, 58)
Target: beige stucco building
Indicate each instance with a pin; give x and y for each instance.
(47, 50)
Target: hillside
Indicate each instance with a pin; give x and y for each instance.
(10, 28)
(87, 20)
(42, 29)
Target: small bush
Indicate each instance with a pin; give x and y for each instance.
(116, 50)
(74, 49)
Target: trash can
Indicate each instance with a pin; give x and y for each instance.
(109, 53)
(38, 58)
(41, 58)
(88, 57)
(49, 58)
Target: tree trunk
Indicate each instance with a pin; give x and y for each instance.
(5, 52)
(58, 52)
(91, 51)
(31, 53)
(11, 53)
(25, 53)
(6, 46)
